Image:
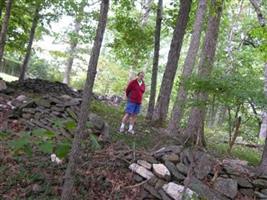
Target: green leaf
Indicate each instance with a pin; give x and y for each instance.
(46, 147)
(94, 143)
(38, 132)
(70, 125)
(62, 150)
(19, 143)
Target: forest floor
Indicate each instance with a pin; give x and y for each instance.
(104, 173)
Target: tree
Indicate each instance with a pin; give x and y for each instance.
(4, 29)
(31, 38)
(86, 100)
(152, 96)
(74, 41)
(262, 22)
(161, 109)
(195, 126)
(178, 108)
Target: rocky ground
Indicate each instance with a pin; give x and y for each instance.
(37, 116)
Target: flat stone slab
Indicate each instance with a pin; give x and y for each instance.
(161, 171)
(176, 191)
(144, 163)
(226, 186)
(141, 171)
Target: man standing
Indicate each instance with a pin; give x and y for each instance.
(134, 93)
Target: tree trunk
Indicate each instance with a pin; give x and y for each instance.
(195, 127)
(4, 29)
(146, 8)
(29, 47)
(262, 22)
(86, 100)
(161, 109)
(260, 16)
(178, 108)
(263, 164)
(153, 87)
(73, 46)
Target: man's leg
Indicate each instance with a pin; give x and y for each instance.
(132, 122)
(124, 121)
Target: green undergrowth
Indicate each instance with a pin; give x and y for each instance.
(251, 155)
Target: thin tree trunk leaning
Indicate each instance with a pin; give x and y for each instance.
(235, 135)
(4, 29)
(178, 108)
(73, 47)
(263, 164)
(161, 109)
(86, 100)
(153, 87)
(29, 47)
(195, 128)
(147, 8)
(262, 22)
(260, 16)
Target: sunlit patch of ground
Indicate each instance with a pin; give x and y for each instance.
(7, 77)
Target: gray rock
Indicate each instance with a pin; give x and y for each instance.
(29, 110)
(161, 171)
(27, 116)
(260, 195)
(186, 157)
(141, 171)
(204, 165)
(171, 157)
(261, 183)
(243, 182)
(152, 190)
(144, 163)
(203, 190)
(247, 192)
(228, 187)
(182, 168)
(163, 195)
(176, 191)
(43, 102)
(160, 183)
(97, 121)
(174, 171)
(264, 191)
(165, 150)
(138, 178)
(153, 181)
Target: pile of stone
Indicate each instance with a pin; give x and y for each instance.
(173, 171)
(43, 87)
(47, 111)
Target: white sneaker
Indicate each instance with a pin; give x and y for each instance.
(131, 131)
(121, 130)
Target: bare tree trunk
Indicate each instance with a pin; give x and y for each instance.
(73, 46)
(178, 108)
(260, 16)
(86, 100)
(263, 164)
(161, 109)
(147, 8)
(235, 134)
(262, 22)
(153, 89)
(195, 127)
(29, 47)
(4, 29)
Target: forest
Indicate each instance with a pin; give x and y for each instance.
(186, 78)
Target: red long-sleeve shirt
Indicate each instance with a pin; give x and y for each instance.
(134, 91)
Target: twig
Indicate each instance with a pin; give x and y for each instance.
(136, 185)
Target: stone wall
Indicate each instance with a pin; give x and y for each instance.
(165, 174)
